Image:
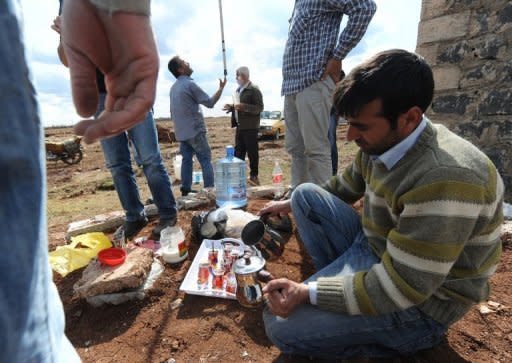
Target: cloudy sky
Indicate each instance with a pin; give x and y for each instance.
(255, 34)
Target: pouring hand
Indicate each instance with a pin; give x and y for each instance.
(276, 207)
(284, 295)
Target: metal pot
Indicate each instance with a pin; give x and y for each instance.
(249, 275)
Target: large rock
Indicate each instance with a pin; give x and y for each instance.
(98, 279)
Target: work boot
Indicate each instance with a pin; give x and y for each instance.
(162, 224)
(132, 228)
(254, 181)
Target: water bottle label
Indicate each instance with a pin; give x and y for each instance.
(277, 179)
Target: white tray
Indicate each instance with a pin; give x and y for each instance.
(189, 284)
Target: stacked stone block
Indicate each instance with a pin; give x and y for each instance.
(468, 43)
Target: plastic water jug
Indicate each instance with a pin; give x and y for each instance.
(174, 248)
(277, 180)
(230, 183)
(177, 166)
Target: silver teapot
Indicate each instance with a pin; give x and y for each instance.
(249, 274)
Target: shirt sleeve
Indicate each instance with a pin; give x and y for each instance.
(312, 292)
(201, 96)
(360, 13)
(142, 7)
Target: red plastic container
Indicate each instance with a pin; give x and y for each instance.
(112, 256)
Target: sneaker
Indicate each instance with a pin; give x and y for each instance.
(162, 224)
(184, 192)
(254, 181)
(132, 228)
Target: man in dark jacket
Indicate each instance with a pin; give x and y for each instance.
(246, 108)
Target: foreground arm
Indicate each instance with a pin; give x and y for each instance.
(119, 41)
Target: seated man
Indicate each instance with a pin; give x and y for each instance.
(391, 282)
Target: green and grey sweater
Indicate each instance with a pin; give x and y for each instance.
(434, 220)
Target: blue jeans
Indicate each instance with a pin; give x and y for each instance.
(332, 234)
(31, 313)
(117, 158)
(198, 145)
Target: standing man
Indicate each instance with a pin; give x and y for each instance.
(246, 113)
(116, 151)
(189, 127)
(392, 281)
(311, 68)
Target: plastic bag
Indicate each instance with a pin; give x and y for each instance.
(78, 253)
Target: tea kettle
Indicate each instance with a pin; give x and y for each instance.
(249, 274)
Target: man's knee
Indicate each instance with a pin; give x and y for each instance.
(276, 330)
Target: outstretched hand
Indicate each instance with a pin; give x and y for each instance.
(283, 296)
(122, 46)
(222, 83)
(273, 208)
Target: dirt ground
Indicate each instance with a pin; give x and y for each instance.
(169, 325)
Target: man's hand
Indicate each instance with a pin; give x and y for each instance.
(228, 108)
(122, 46)
(276, 208)
(332, 69)
(222, 83)
(57, 24)
(284, 295)
(240, 107)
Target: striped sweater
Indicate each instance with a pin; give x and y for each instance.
(434, 220)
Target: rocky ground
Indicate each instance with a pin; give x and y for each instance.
(168, 325)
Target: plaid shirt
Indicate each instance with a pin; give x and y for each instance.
(314, 28)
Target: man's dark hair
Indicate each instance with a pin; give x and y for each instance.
(398, 78)
(173, 66)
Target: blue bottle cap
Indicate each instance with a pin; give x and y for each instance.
(230, 151)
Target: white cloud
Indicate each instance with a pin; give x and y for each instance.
(255, 34)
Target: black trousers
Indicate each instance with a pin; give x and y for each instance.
(246, 141)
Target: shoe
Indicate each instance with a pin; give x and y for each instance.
(132, 228)
(162, 224)
(184, 192)
(254, 181)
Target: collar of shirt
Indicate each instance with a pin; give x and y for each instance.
(184, 76)
(397, 152)
(241, 88)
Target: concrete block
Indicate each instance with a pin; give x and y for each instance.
(188, 203)
(446, 77)
(429, 52)
(98, 279)
(443, 28)
(497, 102)
(103, 222)
(262, 191)
(451, 103)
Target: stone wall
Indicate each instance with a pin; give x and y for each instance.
(468, 43)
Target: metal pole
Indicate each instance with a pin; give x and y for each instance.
(222, 36)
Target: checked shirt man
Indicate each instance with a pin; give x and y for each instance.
(311, 67)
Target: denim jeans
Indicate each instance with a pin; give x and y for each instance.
(117, 158)
(31, 313)
(198, 145)
(332, 234)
